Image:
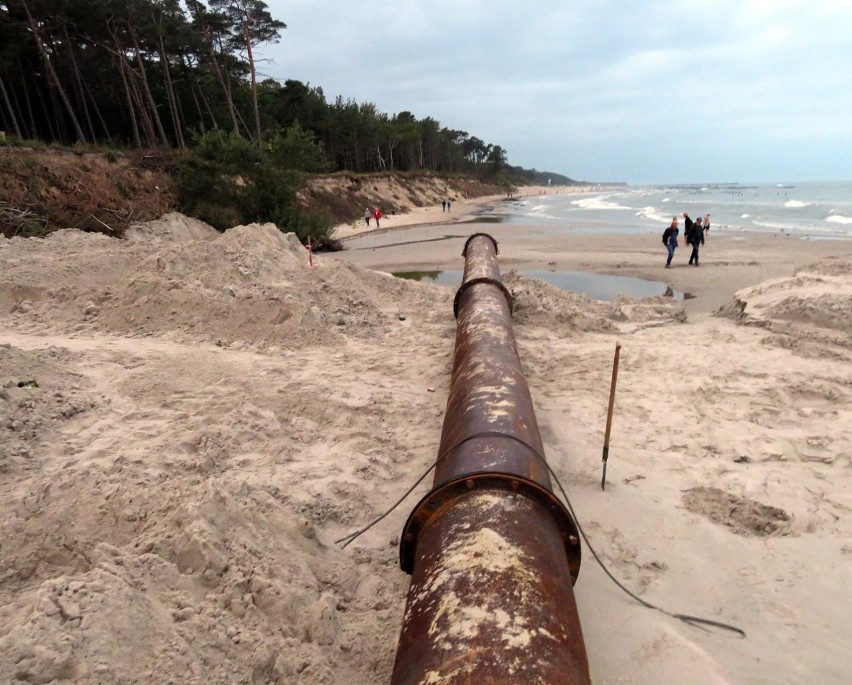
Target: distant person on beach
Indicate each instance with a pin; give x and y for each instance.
(670, 240)
(377, 215)
(448, 204)
(367, 215)
(696, 239)
(706, 223)
(443, 205)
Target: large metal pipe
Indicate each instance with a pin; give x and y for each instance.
(491, 551)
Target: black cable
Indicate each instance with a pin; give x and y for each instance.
(352, 536)
(696, 621)
(484, 434)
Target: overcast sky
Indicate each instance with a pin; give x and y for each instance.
(643, 91)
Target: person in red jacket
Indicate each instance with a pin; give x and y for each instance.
(377, 215)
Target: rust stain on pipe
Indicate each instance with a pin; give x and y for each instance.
(492, 553)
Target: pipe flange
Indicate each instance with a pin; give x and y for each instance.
(439, 498)
(477, 281)
(476, 235)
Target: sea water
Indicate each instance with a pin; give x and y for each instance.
(596, 286)
(808, 210)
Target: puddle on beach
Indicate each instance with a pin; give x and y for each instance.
(484, 219)
(596, 286)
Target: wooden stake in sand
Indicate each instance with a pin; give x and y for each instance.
(310, 253)
(609, 412)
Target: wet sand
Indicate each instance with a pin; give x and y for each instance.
(729, 261)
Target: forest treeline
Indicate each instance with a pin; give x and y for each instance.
(161, 73)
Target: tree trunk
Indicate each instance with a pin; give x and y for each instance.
(136, 101)
(130, 108)
(247, 39)
(170, 92)
(12, 118)
(245, 125)
(100, 116)
(16, 103)
(225, 85)
(33, 127)
(148, 96)
(144, 115)
(194, 85)
(52, 74)
(81, 95)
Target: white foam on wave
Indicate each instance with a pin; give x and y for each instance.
(796, 204)
(745, 216)
(653, 214)
(542, 212)
(597, 203)
(839, 219)
(667, 199)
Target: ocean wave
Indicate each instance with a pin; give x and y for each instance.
(653, 214)
(667, 199)
(597, 203)
(796, 204)
(745, 216)
(839, 219)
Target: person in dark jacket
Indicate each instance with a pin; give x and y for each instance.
(670, 240)
(687, 228)
(696, 239)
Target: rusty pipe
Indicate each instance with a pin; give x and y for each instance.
(491, 551)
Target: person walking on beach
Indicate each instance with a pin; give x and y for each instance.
(670, 240)
(377, 215)
(443, 205)
(448, 204)
(687, 227)
(367, 215)
(696, 239)
(706, 223)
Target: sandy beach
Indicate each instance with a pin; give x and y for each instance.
(461, 210)
(210, 413)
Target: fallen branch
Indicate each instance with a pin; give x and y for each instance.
(109, 228)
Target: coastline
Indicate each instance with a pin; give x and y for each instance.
(463, 210)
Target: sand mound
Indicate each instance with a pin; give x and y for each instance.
(809, 312)
(168, 496)
(173, 226)
(539, 303)
(177, 277)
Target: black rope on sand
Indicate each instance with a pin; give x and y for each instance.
(695, 621)
(358, 533)
(484, 434)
